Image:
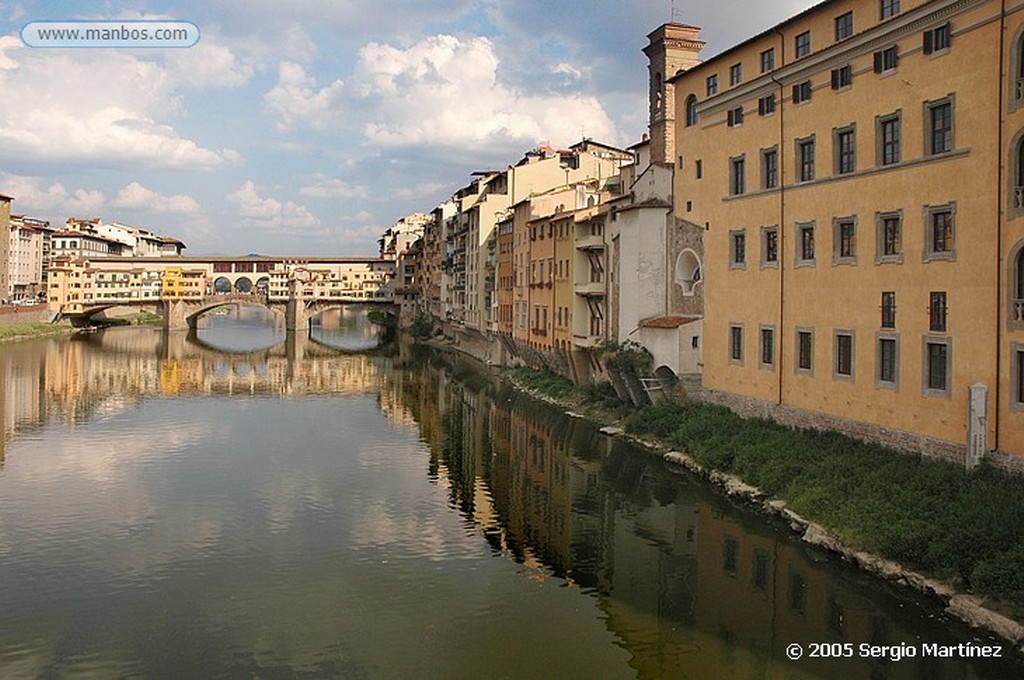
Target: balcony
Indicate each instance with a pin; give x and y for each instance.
(590, 288)
(590, 242)
(586, 341)
(1018, 197)
(1018, 310)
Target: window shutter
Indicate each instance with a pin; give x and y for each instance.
(929, 42)
(796, 94)
(878, 62)
(835, 79)
(760, 106)
(730, 117)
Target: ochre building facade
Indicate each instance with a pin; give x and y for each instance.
(859, 171)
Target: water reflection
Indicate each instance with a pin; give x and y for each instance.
(691, 586)
(384, 517)
(241, 329)
(347, 329)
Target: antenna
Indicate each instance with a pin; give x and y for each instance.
(677, 14)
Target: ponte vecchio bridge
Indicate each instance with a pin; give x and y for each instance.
(181, 289)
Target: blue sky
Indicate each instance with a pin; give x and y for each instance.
(308, 127)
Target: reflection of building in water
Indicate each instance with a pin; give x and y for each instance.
(70, 380)
(692, 587)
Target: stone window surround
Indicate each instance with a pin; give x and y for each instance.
(926, 118)
(929, 253)
(879, 383)
(760, 346)
(926, 340)
(799, 144)
(1016, 368)
(734, 263)
(836, 151)
(765, 262)
(733, 349)
(800, 261)
(880, 218)
(836, 334)
(838, 259)
(880, 121)
(796, 354)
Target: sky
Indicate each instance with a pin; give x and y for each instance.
(308, 127)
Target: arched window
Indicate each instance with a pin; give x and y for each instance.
(656, 92)
(691, 110)
(1018, 181)
(687, 273)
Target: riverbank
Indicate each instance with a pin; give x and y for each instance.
(29, 330)
(928, 525)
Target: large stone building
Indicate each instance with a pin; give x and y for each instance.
(858, 170)
(5, 245)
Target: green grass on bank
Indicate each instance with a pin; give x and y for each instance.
(588, 398)
(928, 515)
(134, 319)
(27, 330)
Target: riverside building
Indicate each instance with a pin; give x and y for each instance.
(859, 173)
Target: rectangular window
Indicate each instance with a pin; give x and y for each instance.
(842, 77)
(940, 120)
(846, 151)
(735, 74)
(887, 59)
(737, 176)
(712, 85)
(887, 360)
(736, 344)
(769, 246)
(804, 347)
(937, 39)
(805, 243)
(730, 553)
(940, 234)
(889, 8)
(734, 116)
(766, 105)
(767, 347)
(936, 366)
(698, 168)
(844, 354)
(802, 92)
(768, 60)
(890, 237)
(770, 168)
(739, 249)
(888, 309)
(937, 312)
(805, 159)
(844, 26)
(802, 44)
(844, 239)
(889, 138)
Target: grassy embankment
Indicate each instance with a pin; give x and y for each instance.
(20, 331)
(933, 517)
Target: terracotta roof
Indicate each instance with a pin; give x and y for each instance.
(668, 321)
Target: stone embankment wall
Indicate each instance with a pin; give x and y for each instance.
(868, 432)
(10, 316)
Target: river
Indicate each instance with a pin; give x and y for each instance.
(242, 502)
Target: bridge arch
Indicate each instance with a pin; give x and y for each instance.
(210, 304)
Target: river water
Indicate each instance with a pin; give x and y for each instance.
(242, 502)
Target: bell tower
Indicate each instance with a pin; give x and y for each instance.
(673, 47)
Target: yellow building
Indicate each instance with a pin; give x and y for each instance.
(857, 170)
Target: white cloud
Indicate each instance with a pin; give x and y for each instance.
(95, 106)
(296, 98)
(324, 187)
(270, 213)
(32, 197)
(137, 197)
(446, 91)
(423, 190)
